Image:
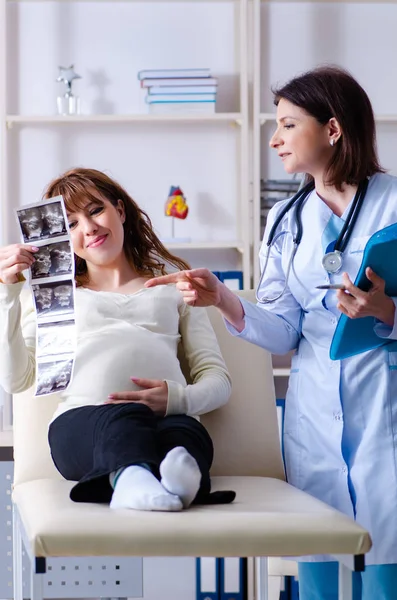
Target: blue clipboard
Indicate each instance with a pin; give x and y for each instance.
(353, 336)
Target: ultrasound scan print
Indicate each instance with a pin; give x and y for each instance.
(63, 296)
(53, 376)
(56, 338)
(52, 283)
(53, 259)
(42, 222)
(61, 258)
(43, 297)
(32, 224)
(53, 219)
(42, 263)
(54, 298)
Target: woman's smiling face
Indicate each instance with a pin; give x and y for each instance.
(97, 231)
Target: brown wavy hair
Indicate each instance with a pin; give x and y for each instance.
(142, 247)
(330, 91)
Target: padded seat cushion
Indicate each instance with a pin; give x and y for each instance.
(268, 518)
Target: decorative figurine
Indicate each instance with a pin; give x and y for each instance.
(68, 104)
(176, 206)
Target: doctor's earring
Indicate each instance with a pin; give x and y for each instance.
(332, 142)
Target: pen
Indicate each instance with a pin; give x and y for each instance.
(331, 286)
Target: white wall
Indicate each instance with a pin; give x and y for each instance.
(169, 578)
(109, 42)
(358, 36)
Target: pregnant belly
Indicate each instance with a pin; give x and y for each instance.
(102, 368)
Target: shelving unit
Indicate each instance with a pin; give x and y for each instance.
(260, 118)
(232, 118)
(13, 125)
(239, 120)
(247, 121)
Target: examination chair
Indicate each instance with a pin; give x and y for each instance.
(269, 517)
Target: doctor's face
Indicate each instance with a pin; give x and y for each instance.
(301, 141)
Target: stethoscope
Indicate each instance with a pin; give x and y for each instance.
(333, 259)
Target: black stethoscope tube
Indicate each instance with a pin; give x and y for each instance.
(297, 202)
(351, 218)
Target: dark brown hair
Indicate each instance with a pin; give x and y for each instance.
(142, 247)
(330, 91)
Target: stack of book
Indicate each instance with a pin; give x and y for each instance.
(181, 90)
(273, 190)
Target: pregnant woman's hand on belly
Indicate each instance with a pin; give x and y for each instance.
(154, 394)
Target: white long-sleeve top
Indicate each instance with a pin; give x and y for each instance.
(118, 337)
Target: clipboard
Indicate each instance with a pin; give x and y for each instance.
(353, 336)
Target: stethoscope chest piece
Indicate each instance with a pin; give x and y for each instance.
(333, 258)
(332, 261)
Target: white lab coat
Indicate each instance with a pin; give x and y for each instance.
(340, 430)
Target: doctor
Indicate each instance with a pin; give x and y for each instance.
(340, 430)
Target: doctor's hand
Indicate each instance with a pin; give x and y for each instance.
(355, 303)
(154, 394)
(199, 287)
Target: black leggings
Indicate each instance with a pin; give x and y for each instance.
(90, 442)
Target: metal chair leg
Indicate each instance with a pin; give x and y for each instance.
(17, 556)
(36, 584)
(262, 575)
(345, 583)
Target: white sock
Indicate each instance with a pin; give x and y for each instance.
(180, 475)
(138, 488)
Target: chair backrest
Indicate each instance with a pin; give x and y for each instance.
(244, 431)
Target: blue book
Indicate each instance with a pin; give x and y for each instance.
(180, 98)
(207, 578)
(182, 89)
(164, 81)
(232, 279)
(353, 336)
(232, 578)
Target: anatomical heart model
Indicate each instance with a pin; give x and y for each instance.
(176, 205)
(177, 208)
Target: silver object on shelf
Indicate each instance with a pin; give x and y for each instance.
(68, 104)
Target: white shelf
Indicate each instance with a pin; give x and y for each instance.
(129, 1)
(386, 118)
(325, 1)
(264, 117)
(205, 246)
(133, 118)
(159, 1)
(6, 439)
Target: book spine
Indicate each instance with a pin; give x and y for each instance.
(150, 74)
(179, 81)
(187, 90)
(181, 98)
